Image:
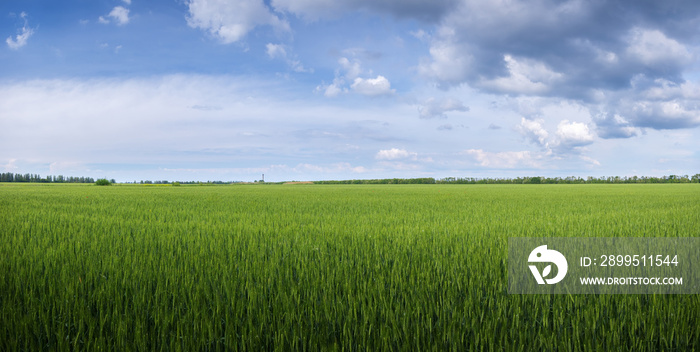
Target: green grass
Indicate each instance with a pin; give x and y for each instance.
(320, 267)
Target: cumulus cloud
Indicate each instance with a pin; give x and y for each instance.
(119, 14)
(658, 104)
(433, 108)
(230, 21)
(351, 71)
(573, 134)
(372, 86)
(534, 131)
(568, 139)
(22, 37)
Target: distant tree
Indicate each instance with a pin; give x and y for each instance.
(7, 177)
(103, 182)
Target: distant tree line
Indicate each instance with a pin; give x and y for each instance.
(573, 180)
(384, 181)
(525, 180)
(166, 182)
(14, 177)
(10, 177)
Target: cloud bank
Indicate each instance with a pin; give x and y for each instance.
(608, 55)
(624, 60)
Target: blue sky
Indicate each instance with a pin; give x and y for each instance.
(346, 89)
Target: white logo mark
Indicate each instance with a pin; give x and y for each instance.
(543, 255)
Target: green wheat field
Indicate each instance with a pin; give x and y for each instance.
(323, 267)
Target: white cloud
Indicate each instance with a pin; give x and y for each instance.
(128, 2)
(534, 131)
(332, 90)
(437, 108)
(20, 39)
(395, 154)
(275, 51)
(351, 70)
(119, 14)
(372, 86)
(230, 21)
(573, 134)
(569, 138)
